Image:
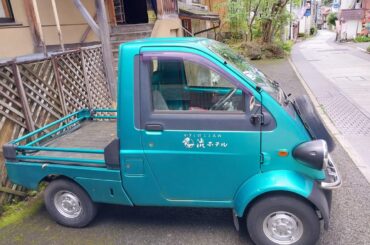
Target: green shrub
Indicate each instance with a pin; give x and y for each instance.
(368, 49)
(273, 50)
(313, 31)
(251, 50)
(332, 17)
(302, 35)
(286, 46)
(362, 39)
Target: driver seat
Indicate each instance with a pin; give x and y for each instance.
(158, 101)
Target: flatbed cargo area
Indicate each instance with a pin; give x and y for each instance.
(87, 135)
(78, 139)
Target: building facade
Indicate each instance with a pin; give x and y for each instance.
(19, 21)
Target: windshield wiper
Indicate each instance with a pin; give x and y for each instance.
(276, 84)
(287, 100)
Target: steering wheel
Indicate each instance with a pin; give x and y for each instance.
(219, 104)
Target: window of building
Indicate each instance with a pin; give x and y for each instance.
(6, 13)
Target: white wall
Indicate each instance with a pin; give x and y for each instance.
(350, 29)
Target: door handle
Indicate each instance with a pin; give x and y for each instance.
(154, 127)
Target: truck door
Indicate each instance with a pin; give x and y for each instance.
(197, 134)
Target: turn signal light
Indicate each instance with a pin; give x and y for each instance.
(283, 153)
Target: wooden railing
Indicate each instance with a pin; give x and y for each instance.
(37, 91)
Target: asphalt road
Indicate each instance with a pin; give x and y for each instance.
(151, 225)
(339, 77)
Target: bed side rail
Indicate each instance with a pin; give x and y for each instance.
(21, 149)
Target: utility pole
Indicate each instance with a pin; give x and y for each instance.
(290, 19)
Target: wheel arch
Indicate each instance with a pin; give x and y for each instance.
(52, 177)
(282, 182)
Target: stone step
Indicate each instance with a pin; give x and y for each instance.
(132, 28)
(124, 33)
(115, 53)
(129, 36)
(116, 44)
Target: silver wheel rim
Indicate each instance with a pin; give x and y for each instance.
(67, 204)
(283, 227)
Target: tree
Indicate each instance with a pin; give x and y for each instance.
(274, 17)
(253, 10)
(262, 16)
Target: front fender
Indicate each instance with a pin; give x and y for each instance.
(283, 180)
(277, 180)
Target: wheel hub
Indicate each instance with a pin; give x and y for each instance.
(283, 227)
(67, 204)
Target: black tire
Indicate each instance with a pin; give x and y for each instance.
(69, 190)
(263, 208)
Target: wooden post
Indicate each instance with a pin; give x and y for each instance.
(112, 13)
(23, 97)
(32, 22)
(87, 17)
(56, 17)
(160, 10)
(39, 27)
(86, 32)
(106, 46)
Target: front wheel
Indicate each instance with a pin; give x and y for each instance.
(283, 219)
(68, 204)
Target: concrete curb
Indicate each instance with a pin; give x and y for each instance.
(362, 49)
(364, 169)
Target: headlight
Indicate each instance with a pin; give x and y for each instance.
(313, 153)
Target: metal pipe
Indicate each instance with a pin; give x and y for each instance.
(59, 149)
(105, 110)
(208, 29)
(45, 127)
(60, 159)
(53, 132)
(105, 117)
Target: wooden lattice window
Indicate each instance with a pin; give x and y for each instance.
(6, 12)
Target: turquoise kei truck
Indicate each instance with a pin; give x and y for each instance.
(195, 126)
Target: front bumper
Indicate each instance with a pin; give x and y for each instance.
(321, 194)
(333, 179)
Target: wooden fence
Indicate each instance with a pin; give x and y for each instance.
(37, 91)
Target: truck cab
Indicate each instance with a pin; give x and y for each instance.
(195, 126)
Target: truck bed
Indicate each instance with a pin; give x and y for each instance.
(89, 134)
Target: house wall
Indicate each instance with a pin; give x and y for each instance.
(17, 39)
(350, 29)
(167, 28)
(72, 23)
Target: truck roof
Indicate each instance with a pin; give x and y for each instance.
(171, 41)
(167, 40)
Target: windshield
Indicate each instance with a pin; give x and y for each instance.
(252, 73)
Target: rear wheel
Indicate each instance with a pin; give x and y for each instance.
(283, 219)
(68, 204)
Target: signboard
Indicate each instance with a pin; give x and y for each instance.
(336, 4)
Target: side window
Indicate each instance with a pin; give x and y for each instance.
(179, 84)
(201, 76)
